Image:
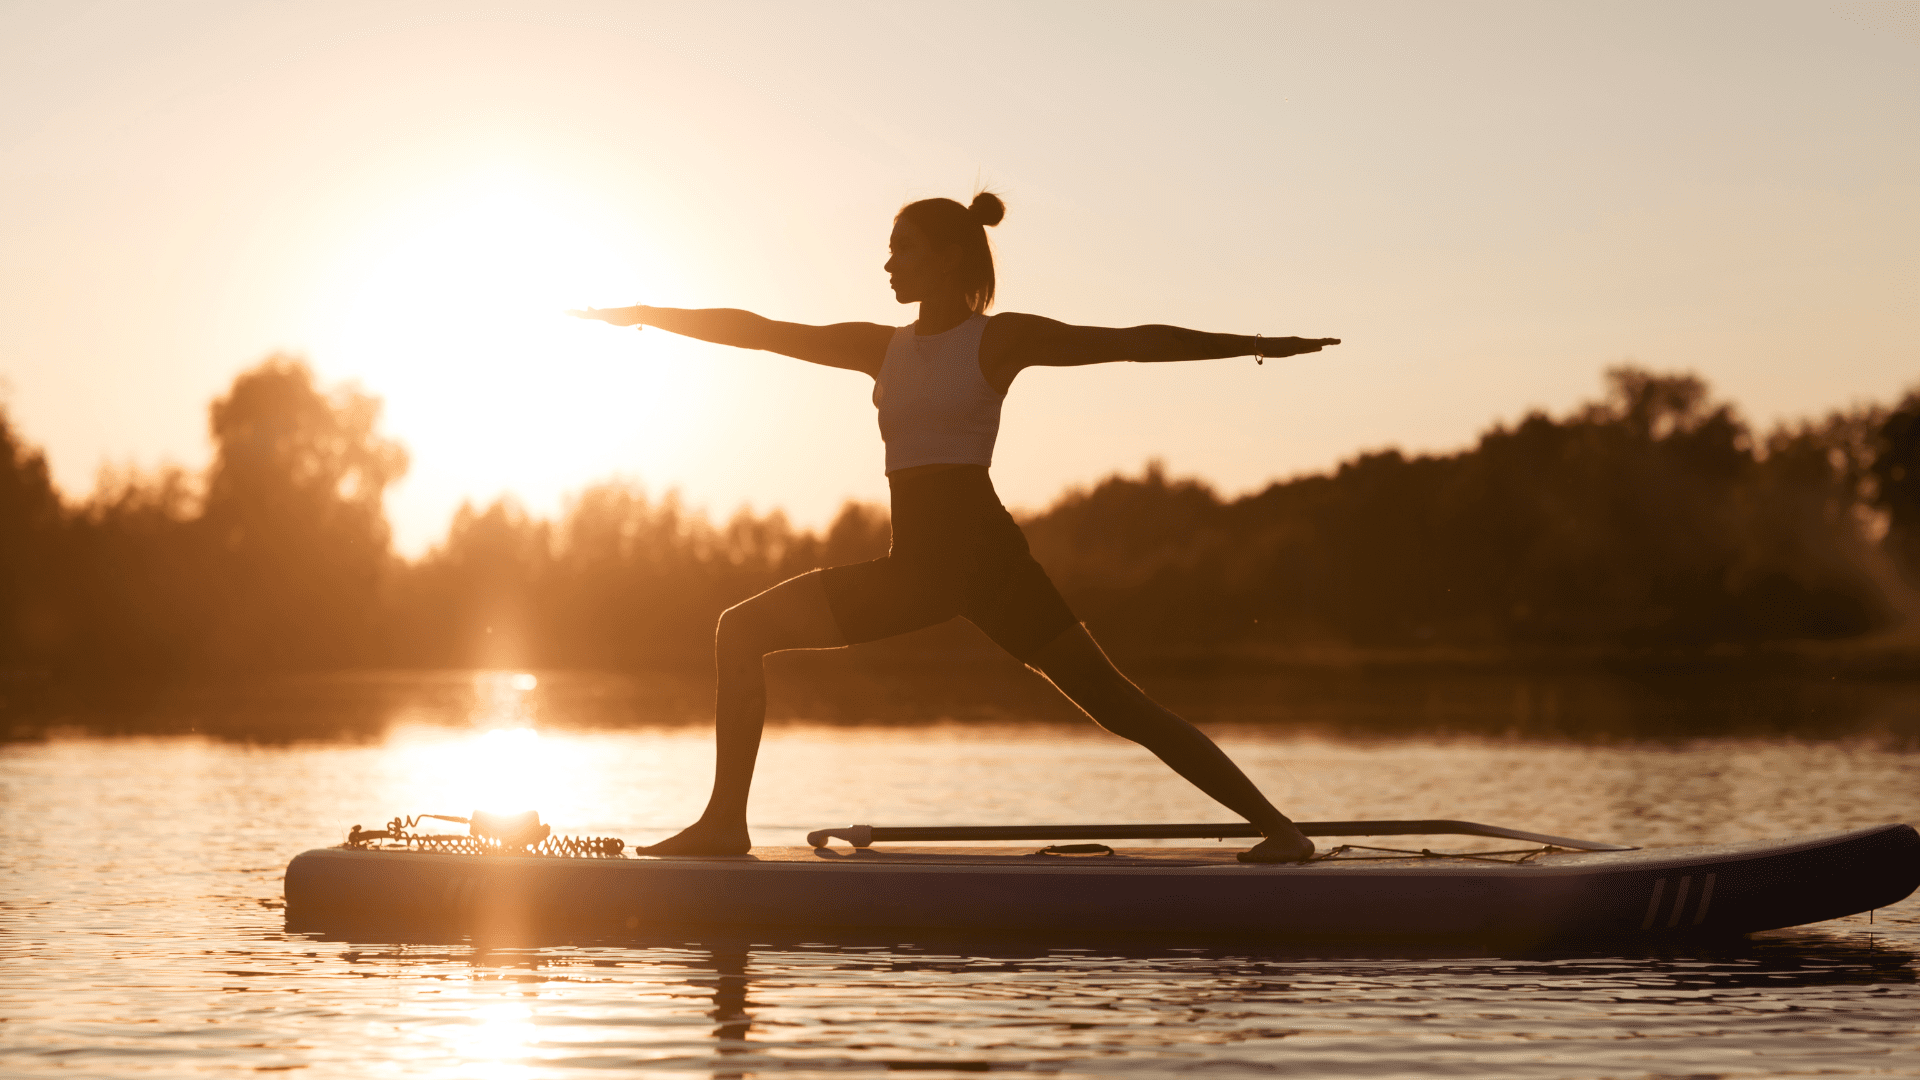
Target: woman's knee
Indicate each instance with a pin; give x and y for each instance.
(792, 615)
(1090, 679)
(740, 634)
(1077, 665)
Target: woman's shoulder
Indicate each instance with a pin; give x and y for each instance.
(1014, 323)
(1008, 320)
(1015, 330)
(1008, 343)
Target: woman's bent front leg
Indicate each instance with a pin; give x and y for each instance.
(794, 614)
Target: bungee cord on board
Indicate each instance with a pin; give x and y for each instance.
(487, 834)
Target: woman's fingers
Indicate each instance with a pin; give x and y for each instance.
(615, 316)
(1294, 346)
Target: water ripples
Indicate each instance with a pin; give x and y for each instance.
(141, 931)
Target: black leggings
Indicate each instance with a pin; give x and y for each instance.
(956, 551)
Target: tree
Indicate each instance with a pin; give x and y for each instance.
(480, 598)
(1896, 472)
(294, 510)
(33, 621)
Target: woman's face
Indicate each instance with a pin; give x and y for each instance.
(914, 269)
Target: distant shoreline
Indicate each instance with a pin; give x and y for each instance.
(945, 676)
(949, 648)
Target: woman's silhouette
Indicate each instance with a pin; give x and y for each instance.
(938, 385)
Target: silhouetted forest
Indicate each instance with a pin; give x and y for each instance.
(1651, 519)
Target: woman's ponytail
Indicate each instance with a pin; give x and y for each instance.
(987, 209)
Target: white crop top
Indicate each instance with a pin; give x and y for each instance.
(935, 406)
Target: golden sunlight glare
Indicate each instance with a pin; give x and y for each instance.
(451, 309)
(502, 771)
(486, 267)
(502, 766)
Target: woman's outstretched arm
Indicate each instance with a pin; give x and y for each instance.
(1033, 341)
(855, 346)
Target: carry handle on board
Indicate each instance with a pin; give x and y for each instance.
(862, 835)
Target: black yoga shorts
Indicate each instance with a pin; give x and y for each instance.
(956, 551)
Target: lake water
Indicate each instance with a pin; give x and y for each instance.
(141, 932)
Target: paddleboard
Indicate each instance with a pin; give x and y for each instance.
(1191, 892)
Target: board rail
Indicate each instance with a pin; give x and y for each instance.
(861, 836)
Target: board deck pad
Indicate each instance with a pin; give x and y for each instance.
(1013, 856)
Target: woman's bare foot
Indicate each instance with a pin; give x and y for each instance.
(701, 838)
(1284, 845)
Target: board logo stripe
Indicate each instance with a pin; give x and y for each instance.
(1679, 901)
(1706, 897)
(1653, 904)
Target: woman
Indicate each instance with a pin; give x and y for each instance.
(938, 385)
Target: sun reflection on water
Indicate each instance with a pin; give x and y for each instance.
(500, 1041)
(501, 699)
(501, 746)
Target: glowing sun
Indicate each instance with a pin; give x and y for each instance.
(452, 311)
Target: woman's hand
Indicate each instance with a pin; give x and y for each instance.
(618, 316)
(1293, 346)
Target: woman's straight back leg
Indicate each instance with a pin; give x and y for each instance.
(1075, 664)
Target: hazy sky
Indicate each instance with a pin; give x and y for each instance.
(1490, 202)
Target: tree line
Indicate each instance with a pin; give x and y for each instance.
(1654, 517)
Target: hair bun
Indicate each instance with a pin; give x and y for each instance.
(987, 209)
